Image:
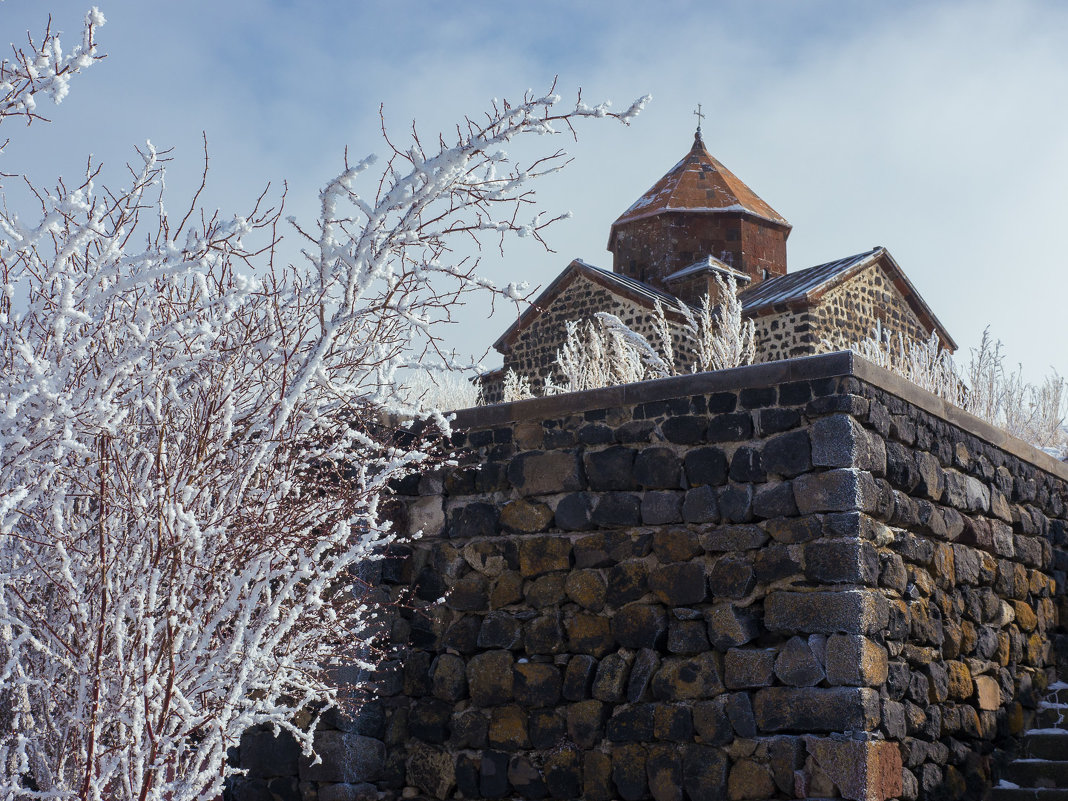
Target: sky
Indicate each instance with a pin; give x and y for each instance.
(937, 129)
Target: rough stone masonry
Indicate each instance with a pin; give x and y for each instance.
(800, 579)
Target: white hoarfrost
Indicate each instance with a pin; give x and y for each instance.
(606, 351)
(41, 68)
(194, 452)
(1034, 413)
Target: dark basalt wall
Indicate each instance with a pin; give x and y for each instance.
(799, 579)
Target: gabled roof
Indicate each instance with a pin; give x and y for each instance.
(804, 287)
(699, 183)
(709, 264)
(623, 285)
(793, 290)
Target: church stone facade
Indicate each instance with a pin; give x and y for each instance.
(697, 221)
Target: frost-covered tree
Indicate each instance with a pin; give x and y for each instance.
(193, 449)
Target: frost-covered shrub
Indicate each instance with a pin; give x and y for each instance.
(926, 364)
(605, 351)
(595, 355)
(1034, 413)
(440, 389)
(193, 455)
(516, 387)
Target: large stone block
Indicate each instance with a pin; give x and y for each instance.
(525, 777)
(597, 776)
(526, 516)
(744, 668)
(701, 505)
(704, 773)
(473, 520)
(578, 677)
(853, 659)
(490, 678)
(640, 625)
(617, 509)
(585, 723)
(610, 682)
(544, 472)
(730, 626)
(846, 612)
(736, 427)
(657, 468)
(430, 769)
(688, 678)
(631, 723)
(448, 677)
(732, 577)
(788, 455)
(798, 665)
(840, 441)
(628, 581)
(679, 584)
(508, 728)
(488, 557)
(426, 515)
(684, 429)
(537, 684)
(543, 554)
(705, 466)
(809, 709)
(659, 508)
(711, 722)
(675, 544)
(664, 772)
(574, 512)
(493, 774)
(860, 770)
(563, 772)
(775, 500)
(587, 588)
(263, 755)
(348, 758)
(988, 692)
(746, 465)
(840, 490)
(628, 772)
(842, 562)
(590, 634)
(499, 630)
(610, 469)
(749, 781)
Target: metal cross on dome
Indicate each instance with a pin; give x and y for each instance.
(699, 116)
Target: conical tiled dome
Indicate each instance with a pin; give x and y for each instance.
(700, 183)
(698, 210)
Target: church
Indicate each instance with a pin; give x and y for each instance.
(698, 220)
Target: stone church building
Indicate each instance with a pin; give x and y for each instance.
(700, 219)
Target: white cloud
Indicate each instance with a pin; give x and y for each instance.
(933, 128)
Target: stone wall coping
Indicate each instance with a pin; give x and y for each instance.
(805, 368)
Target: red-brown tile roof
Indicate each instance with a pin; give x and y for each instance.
(700, 183)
